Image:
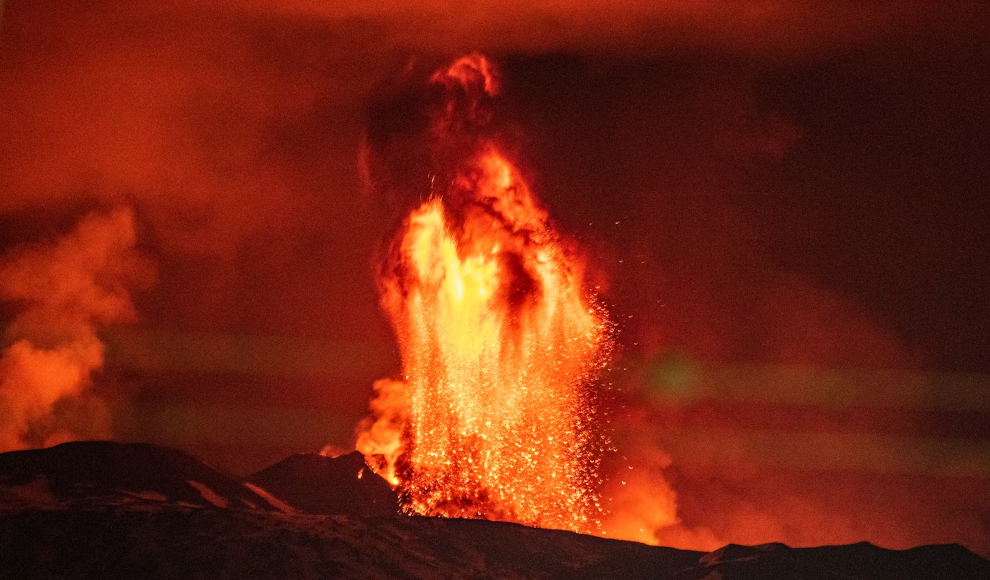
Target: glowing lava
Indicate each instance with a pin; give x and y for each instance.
(499, 341)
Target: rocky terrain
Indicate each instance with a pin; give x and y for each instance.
(316, 484)
(110, 510)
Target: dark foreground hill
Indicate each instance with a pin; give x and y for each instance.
(317, 484)
(110, 473)
(112, 543)
(67, 513)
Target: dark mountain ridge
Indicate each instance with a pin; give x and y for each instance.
(110, 472)
(106, 510)
(317, 484)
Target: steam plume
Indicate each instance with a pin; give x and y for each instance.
(64, 290)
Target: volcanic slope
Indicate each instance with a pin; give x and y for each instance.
(90, 473)
(317, 484)
(87, 519)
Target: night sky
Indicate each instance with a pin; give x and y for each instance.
(783, 205)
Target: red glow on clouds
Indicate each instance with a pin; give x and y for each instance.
(752, 184)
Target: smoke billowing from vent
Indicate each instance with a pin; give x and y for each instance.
(62, 292)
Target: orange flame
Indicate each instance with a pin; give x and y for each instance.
(499, 342)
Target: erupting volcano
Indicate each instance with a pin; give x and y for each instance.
(499, 338)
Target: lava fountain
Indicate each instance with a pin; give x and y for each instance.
(499, 339)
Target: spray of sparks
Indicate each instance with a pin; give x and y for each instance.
(499, 341)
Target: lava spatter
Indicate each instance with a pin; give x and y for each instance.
(499, 341)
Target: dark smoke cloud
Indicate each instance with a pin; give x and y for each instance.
(680, 195)
(792, 27)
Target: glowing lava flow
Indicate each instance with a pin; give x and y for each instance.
(499, 341)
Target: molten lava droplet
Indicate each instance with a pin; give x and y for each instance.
(499, 342)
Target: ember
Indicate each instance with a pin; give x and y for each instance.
(499, 341)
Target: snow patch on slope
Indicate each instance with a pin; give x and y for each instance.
(272, 500)
(208, 494)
